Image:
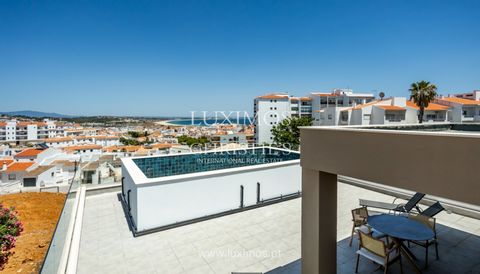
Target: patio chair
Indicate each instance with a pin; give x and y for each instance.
(433, 210)
(406, 208)
(377, 251)
(430, 222)
(359, 219)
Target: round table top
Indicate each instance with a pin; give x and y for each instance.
(400, 227)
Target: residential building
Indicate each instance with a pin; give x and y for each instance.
(37, 155)
(327, 106)
(101, 140)
(300, 106)
(5, 151)
(40, 176)
(395, 110)
(14, 171)
(461, 109)
(21, 131)
(474, 95)
(434, 113)
(269, 110)
(324, 108)
(84, 150)
(223, 138)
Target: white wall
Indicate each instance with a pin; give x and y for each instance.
(165, 203)
(11, 131)
(411, 115)
(32, 132)
(46, 178)
(378, 116)
(269, 113)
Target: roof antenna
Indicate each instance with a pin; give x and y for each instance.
(381, 95)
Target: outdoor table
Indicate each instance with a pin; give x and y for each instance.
(400, 229)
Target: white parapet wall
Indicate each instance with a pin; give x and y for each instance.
(163, 201)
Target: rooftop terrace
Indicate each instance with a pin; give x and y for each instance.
(265, 239)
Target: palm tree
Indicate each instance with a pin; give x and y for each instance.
(422, 93)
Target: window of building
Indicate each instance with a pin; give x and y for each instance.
(366, 116)
(12, 176)
(329, 116)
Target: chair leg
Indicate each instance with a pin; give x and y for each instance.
(426, 254)
(351, 236)
(401, 265)
(356, 267)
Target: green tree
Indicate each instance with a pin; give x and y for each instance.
(287, 132)
(129, 142)
(187, 140)
(422, 94)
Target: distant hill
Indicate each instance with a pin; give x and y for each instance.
(35, 114)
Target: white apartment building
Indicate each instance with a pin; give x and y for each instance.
(474, 95)
(395, 110)
(16, 131)
(327, 106)
(101, 140)
(269, 110)
(324, 108)
(464, 107)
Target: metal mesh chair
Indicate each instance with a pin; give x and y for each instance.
(433, 210)
(430, 222)
(411, 204)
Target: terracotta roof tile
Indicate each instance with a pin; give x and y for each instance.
(462, 101)
(29, 152)
(387, 107)
(19, 166)
(273, 96)
(431, 106)
(83, 147)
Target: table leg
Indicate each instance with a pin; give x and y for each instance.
(408, 254)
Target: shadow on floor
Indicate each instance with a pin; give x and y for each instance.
(126, 213)
(458, 250)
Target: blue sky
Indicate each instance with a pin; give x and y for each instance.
(172, 57)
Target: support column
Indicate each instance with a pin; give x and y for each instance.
(319, 222)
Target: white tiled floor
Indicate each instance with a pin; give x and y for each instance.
(257, 240)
